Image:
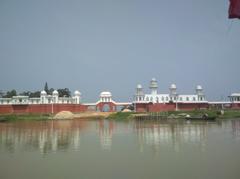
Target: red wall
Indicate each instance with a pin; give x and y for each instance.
(41, 108)
(158, 107)
(235, 105)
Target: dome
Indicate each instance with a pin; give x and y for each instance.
(154, 79)
(173, 86)
(77, 93)
(106, 94)
(43, 93)
(55, 92)
(199, 87)
(139, 86)
(153, 83)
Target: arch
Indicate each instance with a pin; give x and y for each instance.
(106, 107)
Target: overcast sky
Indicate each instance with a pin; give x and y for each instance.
(98, 45)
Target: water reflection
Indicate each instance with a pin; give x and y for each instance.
(53, 136)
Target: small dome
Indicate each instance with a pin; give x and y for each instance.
(199, 87)
(173, 86)
(55, 92)
(77, 93)
(153, 79)
(139, 86)
(106, 94)
(43, 92)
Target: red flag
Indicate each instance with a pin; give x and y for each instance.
(234, 9)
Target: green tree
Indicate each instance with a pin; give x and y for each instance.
(46, 88)
(10, 94)
(64, 92)
(35, 94)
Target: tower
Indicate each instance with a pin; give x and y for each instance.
(199, 92)
(153, 86)
(55, 96)
(139, 96)
(77, 97)
(173, 90)
(43, 97)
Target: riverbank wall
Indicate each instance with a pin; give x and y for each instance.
(41, 108)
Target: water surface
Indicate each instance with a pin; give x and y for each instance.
(110, 149)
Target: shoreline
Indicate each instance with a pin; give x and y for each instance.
(123, 116)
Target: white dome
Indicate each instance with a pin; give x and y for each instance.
(199, 87)
(139, 86)
(43, 92)
(106, 94)
(153, 79)
(173, 86)
(55, 92)
(77, 93)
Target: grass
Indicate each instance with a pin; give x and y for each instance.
(121, 116)
(25, 117)
(228, 114)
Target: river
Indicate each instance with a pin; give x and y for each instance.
(103, 149)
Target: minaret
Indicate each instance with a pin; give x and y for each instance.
(55, 96)
(173, 90)
(139, 96)
(43, 97)
(77, 97)
(153, 86)
(199, 92)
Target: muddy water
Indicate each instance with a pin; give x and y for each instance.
(108, 149)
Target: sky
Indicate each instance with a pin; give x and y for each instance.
(113, 45)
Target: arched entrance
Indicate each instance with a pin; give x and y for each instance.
(106, 108)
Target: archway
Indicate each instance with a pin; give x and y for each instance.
(106, 108)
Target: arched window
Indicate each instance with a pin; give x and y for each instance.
(166, 98)
(151, 99)
(162, 98)
(147, 98)
(157, 99)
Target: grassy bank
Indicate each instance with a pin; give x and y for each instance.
(121, 116)
(228, 114)
(25, 117)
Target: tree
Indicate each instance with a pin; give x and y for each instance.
(46, 88)
(25, 93)
(1, 93)
(64, 92)
(10, 94)
(35, 94)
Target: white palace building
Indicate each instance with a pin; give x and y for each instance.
(173, 96)
(43, 99)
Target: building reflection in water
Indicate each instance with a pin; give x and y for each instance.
(49, 136)
(106, 128)
(236, 128)
(53, 136)
(174, 135)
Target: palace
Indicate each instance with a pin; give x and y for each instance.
(142, 102)
(164, 102)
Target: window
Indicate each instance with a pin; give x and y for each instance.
(166, 98)
(151, 98)
(157, 99)
(162, 98)
(187, 98)
(180, 98)
(147, 98)
(194, 99)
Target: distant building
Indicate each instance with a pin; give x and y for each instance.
(43, 99)
(166, 101)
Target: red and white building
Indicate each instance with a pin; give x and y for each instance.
(156, 102)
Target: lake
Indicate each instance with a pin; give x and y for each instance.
(103, 149)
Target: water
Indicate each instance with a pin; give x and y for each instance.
(108, 149)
